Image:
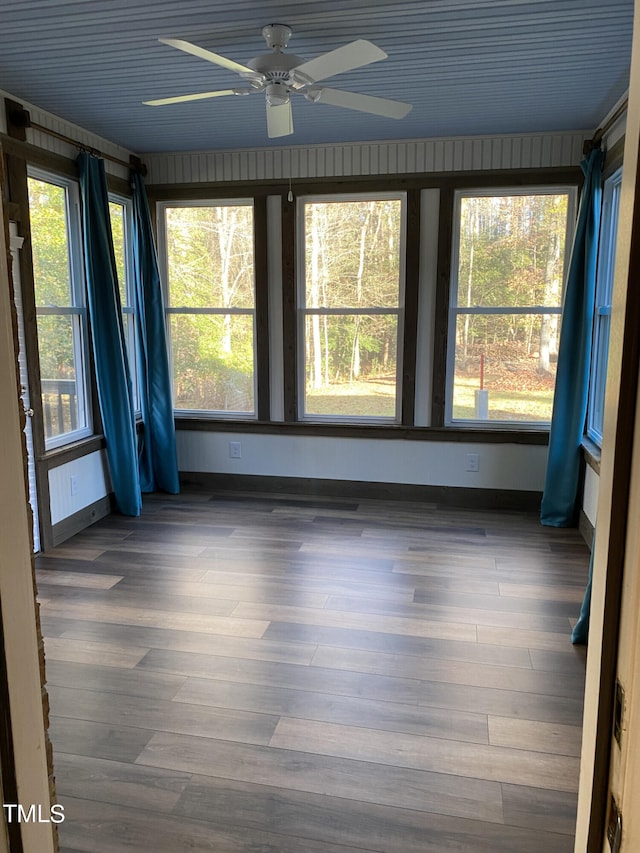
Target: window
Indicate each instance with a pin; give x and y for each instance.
(211, 306)
(60, 308)
(350, 305)
(602, 313)
(120, 211)
(506, 303)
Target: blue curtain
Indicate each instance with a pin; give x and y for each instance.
(158, 461)
(574, 356)
(580, 632)
(112, 371)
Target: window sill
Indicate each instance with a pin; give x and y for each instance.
(591, 453)
(370, 431)
(75, 450)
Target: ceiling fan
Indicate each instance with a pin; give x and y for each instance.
(279, 75)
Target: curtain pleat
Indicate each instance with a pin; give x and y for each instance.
(580, 633)
(572, 380)
(112, 370)
(158, 461)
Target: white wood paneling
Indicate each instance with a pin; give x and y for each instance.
(590, 498)
(415, 156)
(90, 484)
(83, 138)
(432, 463)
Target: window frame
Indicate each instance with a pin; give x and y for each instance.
(131, 329)
(454, 311)
(162, 207)
(303, 312)
(77, 309)
(602, 305)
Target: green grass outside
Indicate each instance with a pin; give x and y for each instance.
(526, 405)
(363, 399)
(376, 398)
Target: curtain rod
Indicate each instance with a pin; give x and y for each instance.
(19, 117)
(590, 144)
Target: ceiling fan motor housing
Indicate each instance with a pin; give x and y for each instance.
(275, 66)
(276, 35)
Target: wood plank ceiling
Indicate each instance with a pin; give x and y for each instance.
(468, 67)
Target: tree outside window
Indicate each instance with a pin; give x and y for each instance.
(350, 305)
(120, 215)
(506, 305)
(60, 309)
(211, 306)
(602, 312)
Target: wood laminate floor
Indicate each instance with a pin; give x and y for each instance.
(266, 674)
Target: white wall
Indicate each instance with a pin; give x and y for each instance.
(590, 497)
(78, 484)
(433, 463)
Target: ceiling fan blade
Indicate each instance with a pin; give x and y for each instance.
(364, 103)
(346, 58)
(194, 50)
(198, 96)
(279, 120)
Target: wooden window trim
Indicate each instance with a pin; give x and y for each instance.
(368, 431)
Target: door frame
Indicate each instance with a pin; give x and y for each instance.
(25, 664)
(614, 514)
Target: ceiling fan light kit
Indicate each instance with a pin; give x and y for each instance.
(279, 75)
(277, 94)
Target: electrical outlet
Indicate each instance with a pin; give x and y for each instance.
(73, 485)
(473, 462)
(235, 449)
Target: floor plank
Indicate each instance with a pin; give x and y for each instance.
(119, 614)
(534, 807)
(160, 715)
(474, 674)
(337, 820)
(117, 782)
(391, 624)
(71, 736)
(437, 755)
(308, 705)
(88, 580)
(539, 737)
(377, 641)
(180, 641)
(382, 687)
(351, 779)
(106, 654)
